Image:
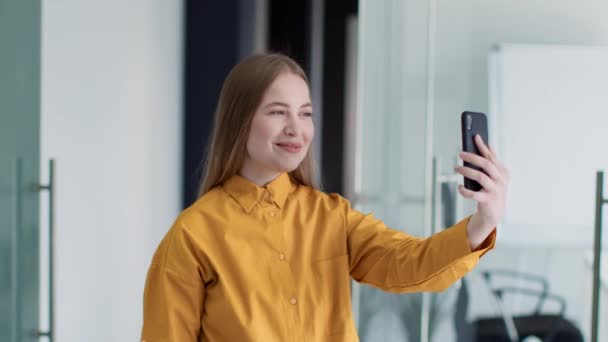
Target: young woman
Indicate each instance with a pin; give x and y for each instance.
(263, 255)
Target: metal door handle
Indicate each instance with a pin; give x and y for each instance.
(600, 201)
(50, 187)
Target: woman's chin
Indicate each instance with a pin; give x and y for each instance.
(287, 167)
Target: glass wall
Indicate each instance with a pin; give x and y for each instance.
(532, 68)
(19, 169)
(392, 169)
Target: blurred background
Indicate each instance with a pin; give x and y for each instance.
(106, 106)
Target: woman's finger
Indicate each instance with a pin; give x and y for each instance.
(481, 178)
(493, 152)
(495, 159)
(487, 165)
(477, 196)
(482, 147)
(502, 169)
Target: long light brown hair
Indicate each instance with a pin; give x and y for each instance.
(240, 97)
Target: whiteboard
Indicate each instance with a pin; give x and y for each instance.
(549, 116)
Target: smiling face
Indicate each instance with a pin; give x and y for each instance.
(281, 130)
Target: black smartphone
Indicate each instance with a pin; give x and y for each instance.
(472, 124)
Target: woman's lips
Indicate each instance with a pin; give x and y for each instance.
(291, 148)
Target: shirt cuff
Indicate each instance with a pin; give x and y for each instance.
(460, 239)
(485, 246)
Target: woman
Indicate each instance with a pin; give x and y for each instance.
(263, 255)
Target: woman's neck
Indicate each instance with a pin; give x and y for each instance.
(259, 177)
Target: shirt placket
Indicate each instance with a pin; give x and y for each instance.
(281, 259)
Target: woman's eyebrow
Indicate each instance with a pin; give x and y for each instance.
(283, 104)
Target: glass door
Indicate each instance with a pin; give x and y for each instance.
(421, 63)
(19, 169)
(390, 143)
(531, 81)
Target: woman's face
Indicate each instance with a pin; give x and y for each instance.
(281, 129)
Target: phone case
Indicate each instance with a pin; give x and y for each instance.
(472, 124)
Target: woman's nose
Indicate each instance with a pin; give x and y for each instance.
(291, 126)
(289, 130)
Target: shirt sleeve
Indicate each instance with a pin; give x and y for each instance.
(397, 262)
(174, 293)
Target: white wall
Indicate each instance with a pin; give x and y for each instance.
(111, 117)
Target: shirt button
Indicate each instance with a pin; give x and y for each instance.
(273, 214)
(293, 301)
(268, 198)
(282, 256)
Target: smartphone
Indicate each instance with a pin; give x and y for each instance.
(472, 124)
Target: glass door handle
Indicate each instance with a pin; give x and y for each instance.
(15, 269)
(600, 201)
(50, 187)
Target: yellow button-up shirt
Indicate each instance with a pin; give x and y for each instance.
(274, 263)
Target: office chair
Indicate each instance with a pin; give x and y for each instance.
(507, 328)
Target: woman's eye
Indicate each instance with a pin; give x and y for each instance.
(277, 112)
(307, 114)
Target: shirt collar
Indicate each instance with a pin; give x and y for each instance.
(248, 194)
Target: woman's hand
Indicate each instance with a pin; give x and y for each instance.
(492, 198)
